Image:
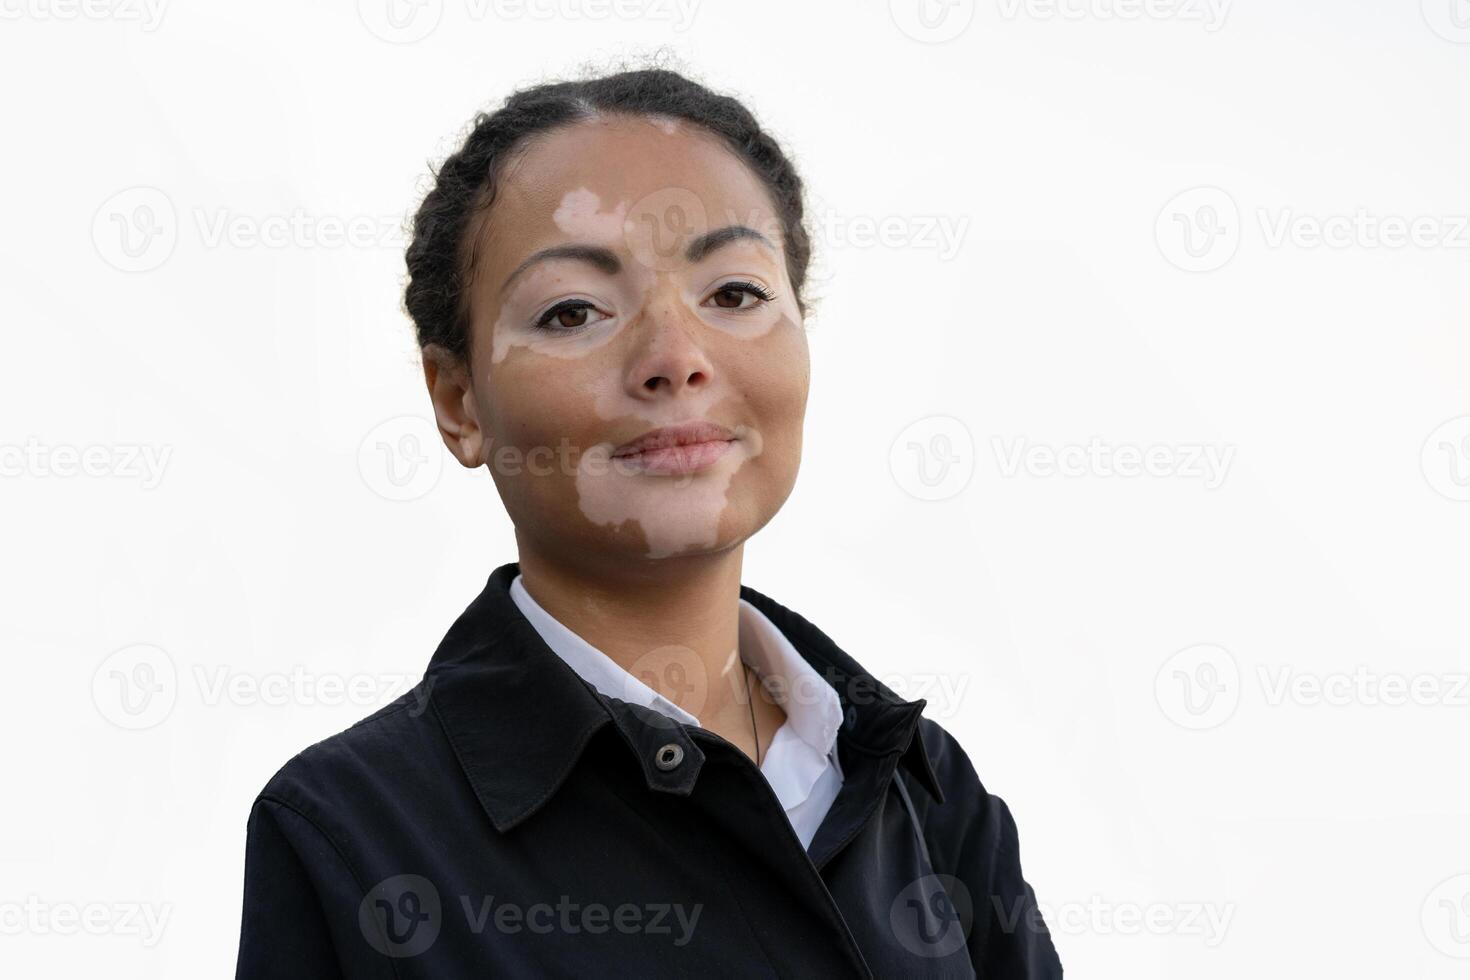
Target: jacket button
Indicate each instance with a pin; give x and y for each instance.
(669, 756)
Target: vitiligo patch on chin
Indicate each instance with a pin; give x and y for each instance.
(675, 513)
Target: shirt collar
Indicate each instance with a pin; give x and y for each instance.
(518, 716)
(801, 750)
(812, 706)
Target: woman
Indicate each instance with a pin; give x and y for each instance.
(621, 759)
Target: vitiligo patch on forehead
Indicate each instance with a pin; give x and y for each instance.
(580, 216)
(668, 124)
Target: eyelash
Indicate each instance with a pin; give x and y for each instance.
(743, 285)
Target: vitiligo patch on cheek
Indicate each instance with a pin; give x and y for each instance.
(675, 513)
(508, 333)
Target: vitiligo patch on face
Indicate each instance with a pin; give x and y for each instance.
(580, 216)
(668, 124)
(676, 514)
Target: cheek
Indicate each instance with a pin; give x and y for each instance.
(778, 376)
(773, 381)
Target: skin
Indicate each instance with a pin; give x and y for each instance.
(644, 566)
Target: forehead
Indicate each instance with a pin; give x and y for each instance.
(597, 180)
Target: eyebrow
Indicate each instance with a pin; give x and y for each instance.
(608, 264)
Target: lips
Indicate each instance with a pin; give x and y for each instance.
(675, 436)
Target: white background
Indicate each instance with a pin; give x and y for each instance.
(1232, 695)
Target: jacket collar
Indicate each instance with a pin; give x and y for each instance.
(518, 717)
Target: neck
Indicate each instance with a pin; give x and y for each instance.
(674, 623)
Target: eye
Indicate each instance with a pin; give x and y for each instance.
(567, 316)
(733, 295)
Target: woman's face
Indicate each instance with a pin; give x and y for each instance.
(631, 276)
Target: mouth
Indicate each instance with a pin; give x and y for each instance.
(676, 449)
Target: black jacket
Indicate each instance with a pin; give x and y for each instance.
(506, 819)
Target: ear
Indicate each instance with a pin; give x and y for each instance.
(454, 405)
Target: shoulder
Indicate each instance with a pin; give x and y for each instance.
(973, 826)
(358, 762)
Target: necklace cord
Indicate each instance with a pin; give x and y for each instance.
(751, 703)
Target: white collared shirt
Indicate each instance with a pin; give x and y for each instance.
(800, 763)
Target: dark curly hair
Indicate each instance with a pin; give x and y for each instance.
(441, 254)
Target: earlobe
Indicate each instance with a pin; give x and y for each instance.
(454, 405)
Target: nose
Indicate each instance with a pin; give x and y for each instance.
(667, 357)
